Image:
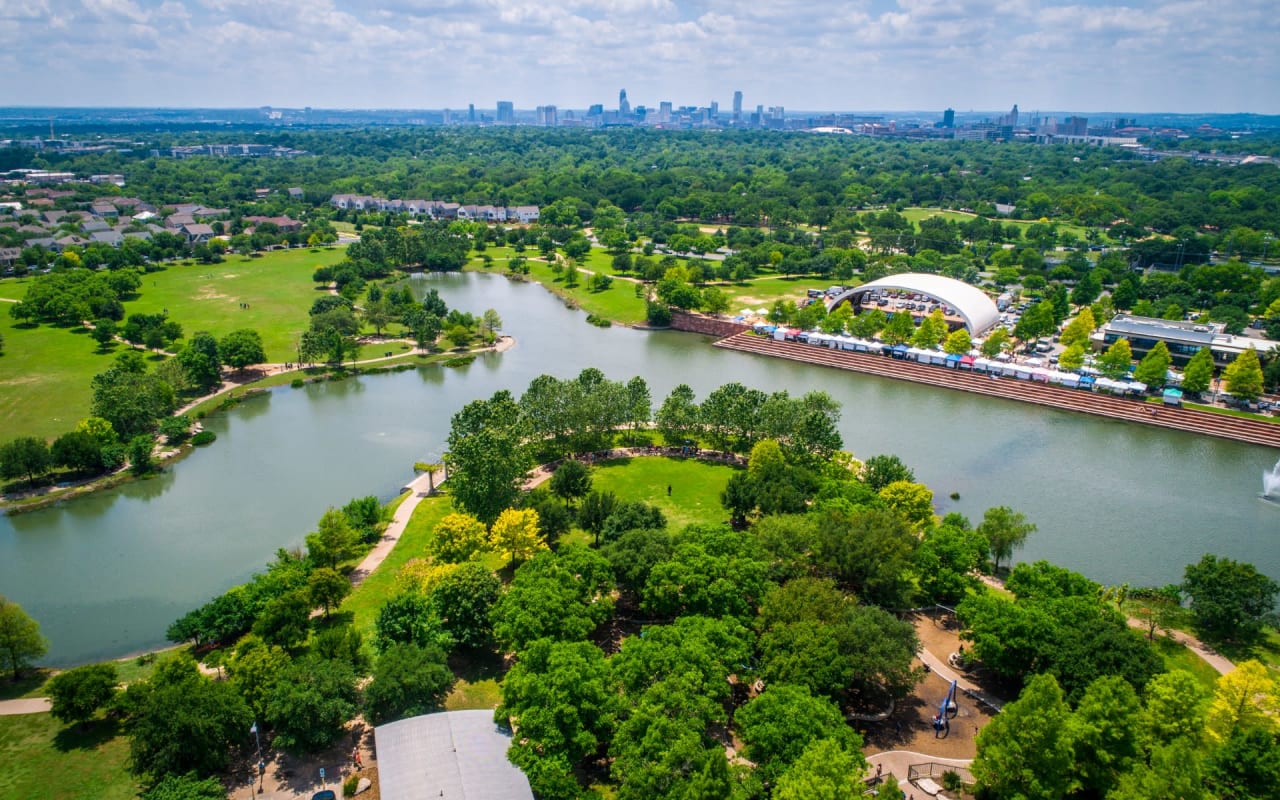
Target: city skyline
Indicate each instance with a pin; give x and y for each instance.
(1142, 56)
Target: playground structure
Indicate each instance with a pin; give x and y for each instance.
(930, 777)
(947, 711)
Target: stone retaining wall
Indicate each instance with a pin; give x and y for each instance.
(708, 326)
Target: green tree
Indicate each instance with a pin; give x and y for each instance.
(487, 458)
(285, 620)
(311, 703)
(560, 696)
(77, 451)
(377, 315)
(201, 361)
(1245, 766)
(241, 348)
(254, 670)
(408, 618)
(78, 693)
(1104, 734)
(463, 601)
(1229, 599)
(869, 552)
(21, 641)
(1243, 376)
(679, 418)
(1025, 751)
(826, 770)
(181, 722)
(958, 342)
(25, 456)
(911, 501)
(1004, 530)
(1154, 366)
(1079, 329)
(996, 342)
(571, 480)
(408, 680)
(140, 454)
(1175, 708)
(327, 587)
(333, 540)
(882, 470)
(900, 328)
(548, 599)
(1072, 359)
(1198, 375)
(1245, 699)
(1116, 360)
(714, 301)
(780, 723)
(130, 398)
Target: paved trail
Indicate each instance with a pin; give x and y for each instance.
(25, 705)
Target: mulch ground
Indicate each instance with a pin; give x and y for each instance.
(910, 726)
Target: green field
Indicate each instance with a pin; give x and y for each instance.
(207, 297)
(762, 292)
(44, 377)
(617, 303)
(43, 758)
(695, 486)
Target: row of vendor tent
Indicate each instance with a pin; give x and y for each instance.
(979, 364)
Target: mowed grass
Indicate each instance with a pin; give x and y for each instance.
(43, 758)
(762, 292)
(617, 303)
(206, 297)
(365, 600)
(45, 376)
(1179, 656)
(695, 486)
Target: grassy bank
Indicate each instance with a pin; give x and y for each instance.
(43, 758)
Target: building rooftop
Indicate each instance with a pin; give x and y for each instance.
(455, 754)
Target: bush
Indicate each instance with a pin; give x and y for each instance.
(598, 321)
(203, 437)
(658, 315)
(175, 429)
(350, 784)
(460, 361)
(297, 383)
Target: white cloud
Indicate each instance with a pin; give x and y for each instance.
(1083, 54)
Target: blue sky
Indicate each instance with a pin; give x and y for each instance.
(1137, 55)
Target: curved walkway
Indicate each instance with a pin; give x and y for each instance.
(898, 763)
(24, 705)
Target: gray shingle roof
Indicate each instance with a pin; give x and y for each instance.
(460, 755)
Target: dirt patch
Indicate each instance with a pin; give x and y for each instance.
(290, 777)
(910, 727)
(209, 293)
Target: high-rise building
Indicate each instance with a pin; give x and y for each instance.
(506, 111)
(547, 116)
(624, 105)
(759, 118)
(1074, 126)
(714, 108)
(949, 118)
(664, 112)
(737, 106)
(471, 112)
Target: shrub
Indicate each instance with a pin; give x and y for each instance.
(350, 784)
(598, 321)
(460, 361)
(297, 383)
(203, 437)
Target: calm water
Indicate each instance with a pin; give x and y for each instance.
(105, 575)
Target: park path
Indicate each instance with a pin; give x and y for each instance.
(24, 705)
(898, 763)
(419, 488)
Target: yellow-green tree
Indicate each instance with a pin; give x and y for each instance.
(1115, 362)
(1072, 358)
(458, 537)
(959, 342)
(1244, 376)
(996, 342)
(1078, 329)
(1245, 698)
(515, 534)
(911, 501)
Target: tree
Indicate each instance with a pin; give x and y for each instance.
(996, 342)
(201, 361)
(900, 328)
(186, 787)
(140, 452)
(487, 458)
(882, 470)
(639, 402)
(130, 398)
(1072, 359)
(1116, 360)
(408, 680)
(679, 417)
(463, 600)
(1246, 766)
(1154, 366)
(826, 770)
(1079, 329)
(1247, 698)
(25, 456)
(1229, 599)
(714, 301)
(1104, 733)
(515, 534)
(1004, 529)
(1244, 376)
(780, 723)
(77, 451)
(911, 501)
(78, 693)
(311, 703)
(334, 539)
(377, 314)
(1025, 750)
(868, 551)
(254, 670)
(327, 587)
(179, 721)
(564, 596)
(571, 480)
(408, 618)
(458, 537)
(20, 639)
(285, 620)
(1198, 375)
(561, 697)
(958, 342)
(241, 348)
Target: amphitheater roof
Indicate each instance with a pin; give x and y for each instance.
(971, 303)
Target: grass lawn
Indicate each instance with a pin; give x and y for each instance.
(1179, 656)
(44, 377)
(696, 486)
(482, 693)
(43, 758)
(761, 293)
(363, 602)
(617, 303)
(207, 297)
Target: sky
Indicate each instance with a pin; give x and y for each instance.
(1135, 55)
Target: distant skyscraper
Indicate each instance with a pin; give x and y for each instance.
(714, 108)
(737, 106)
(471, 112)
(547, 116)
(506, 111)
(1074, 126)
(1013, 116)
(759, 119)
(624, 106)
(664, 112)
(949, 118)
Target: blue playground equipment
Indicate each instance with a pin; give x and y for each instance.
(947, 709)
